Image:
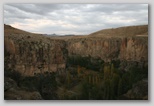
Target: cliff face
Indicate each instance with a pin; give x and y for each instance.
(30, 57)
(31, 54)
(125, 48)
(134, 49)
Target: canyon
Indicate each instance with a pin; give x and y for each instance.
(30, 53)
(110, 64)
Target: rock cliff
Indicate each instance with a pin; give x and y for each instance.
(123, 48)
(31, 53)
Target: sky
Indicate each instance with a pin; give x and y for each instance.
(79, 19)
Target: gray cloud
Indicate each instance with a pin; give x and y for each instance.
(74, 18)
(109, 8)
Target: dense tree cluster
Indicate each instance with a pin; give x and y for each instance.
(87, 62)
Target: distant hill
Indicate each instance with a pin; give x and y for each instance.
(11, 30)
(122, 31)
(18, 34)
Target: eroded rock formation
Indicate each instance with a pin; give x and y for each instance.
(125, 48)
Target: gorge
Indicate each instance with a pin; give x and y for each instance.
(78, 58)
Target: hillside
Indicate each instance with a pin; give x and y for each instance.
(122, 31)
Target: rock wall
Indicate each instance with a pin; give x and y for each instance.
(30, 58)
(134, 49)
(122, 48)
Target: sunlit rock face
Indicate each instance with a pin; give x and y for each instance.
(32, 57)
(31, 54)
(130, 48)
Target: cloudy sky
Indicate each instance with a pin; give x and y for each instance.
(73, 18)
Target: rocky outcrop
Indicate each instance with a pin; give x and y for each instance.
(9, 83)
(13, 92)
(9, 46)
(138, 91)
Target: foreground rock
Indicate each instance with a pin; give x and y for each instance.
(13, 92)
(138, 92)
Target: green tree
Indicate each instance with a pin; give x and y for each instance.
(68, 79)
(126, 82)
(106, 89)
(112, 89)
(85, 89)
(120, 87)
(107, 72)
